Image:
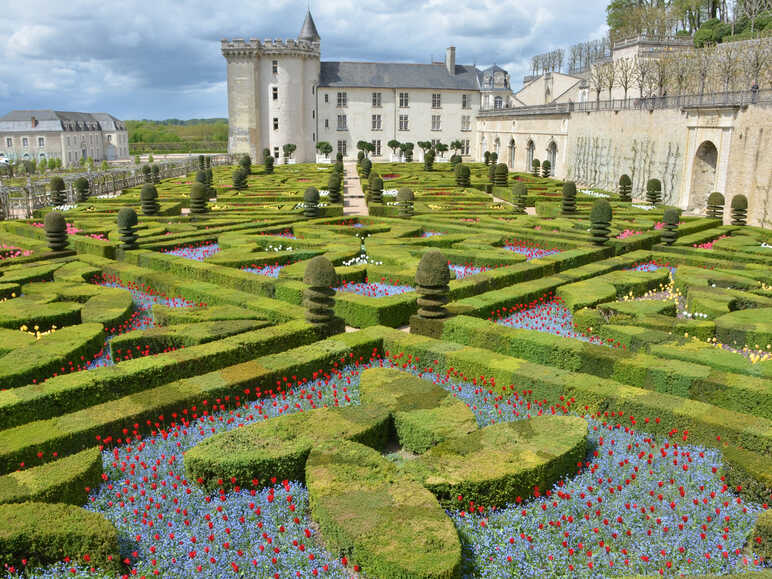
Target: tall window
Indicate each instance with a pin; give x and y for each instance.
(376, 122)
(25, 142)
(465, 149)
(377, 151)
(403, 122)
(109, 139)
(435, 142)
(275, 93)
(326, 123)
(436, 123)
(276, 152)
(497, 102)
(41, 142)
(342, 99)
(275, 66)
(465, 102)
(9, 142)
(436, 100)
(342, 148)
(376, 99)
(403, 100)
(275, 124)
(326, 98)
(466, 123)
(342, 123)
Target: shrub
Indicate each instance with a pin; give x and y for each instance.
(240, 179)
(334, 186)
(201, 177)
(81, 189)
(198, 198)
(339, 157)
(405, 199)
(156, 173)
(535, 167)
(360, 157)
(462, 174)
(670, 232)
(367, 166)
(455, 159)
(147, 173)
(376, 190)
(654, 191)
(207, 162)
(494, 157)
(268, 165)
(429, 161)
(569, 198)
(407, 150)
(246, 163)
(58, 194)
(324, 148)
(546, 169)
(600, 221)
(319, 296)
(501, 176)
(519, 195)
(148, 199)
(715, 206)
(339, 167)
(487, 157)
(432, 278)
(127, 220)
(311, 202)
(210, 179)
(56, 231)
(739, 210)
(491, 172)
(202, 165)
(625, 188)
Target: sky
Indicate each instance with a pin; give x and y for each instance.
(139, 59)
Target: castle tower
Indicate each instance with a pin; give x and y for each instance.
(272, 94)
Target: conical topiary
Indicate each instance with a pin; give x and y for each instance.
(333, 187)
(311, 202)
(431, 278)
(55, 227)
(429, 161)
(210, 179)
(201, 165)
(739, 210)
(207, 162)
(199, 196)
(670, 230)
(268, 165)
(81, 189)
(376, 190)
(546, 168)
(501, 175)
(58, 192)
(246, 163)
(600, 221)
(455, 159)
(654, 191)
(405, 201)
(715, 206)
(369, 189)
(462, 174)
(625, 188)
(202, 178)
(367, 166)
(487, 157)
(519, 194)
(319, 301)
(491, 172)
(535, 167)
(360, 157)
(147, 173)
(339, 169)
(127, 221)
(156, 173)
(240, 179)
(148, 199)
(569, 198)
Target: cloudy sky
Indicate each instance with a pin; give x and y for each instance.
(159, 59)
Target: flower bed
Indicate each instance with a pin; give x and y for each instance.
(199, 252)
(375, 289)
(529, 249)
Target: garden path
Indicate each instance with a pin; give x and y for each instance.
(353, 197)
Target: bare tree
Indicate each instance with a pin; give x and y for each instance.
(598, 81)
(642, 71)
(727, 63)
(624, 73)
(753, 8)
(755, 56)
(682, 69)
(609, 76)
(703, 62)
(661, 69)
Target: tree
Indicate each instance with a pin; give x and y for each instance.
(333, 187)
(569, 198)
(752, 9)
(457, 146)
(739, 206)
(393, 145)
(642, 72)
(268, 165)
(288, 149)
(727, 63)
(441, 148)
(703, 63)
(546, 168)
(654, 191)
(104, 166)
(81, 189)
(535, 167)
(324, 148)
(148, 198)
(429, 160)
(624, 74)
(670, 230)
(609, 76)
(407, 151)
(661, 74)
(600, 221)
(494, 157)
(598, 81)
(246, 163)
(424, 146)
(52, 164)
(58, 194)
(240, 179)
(755, 57)
(682, 67)
(487, 157)
(625, 188)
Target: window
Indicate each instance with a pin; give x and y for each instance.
(110, 139)
(342, 148)
(342, 99)
(403, 100)
(377, 150)
(342, 123)
(376, 122)
(313, 114)
(465, 102)
(465, 149)
(276, 152)
(436, 123)
(466, 123)
(275, 66)
(435, 142)
(9, 142)
(275, 93)
(497, 102)
(25, 142)
(436, 100)
(41, 142)
(275, 124)
(403, 123)
(326, 98)
(376, 99)
(326, 123)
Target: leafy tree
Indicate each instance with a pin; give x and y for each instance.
(266, 154)
(535, 167)
(715, 206)
(407, 151)
(494, 157)
(625, 188)
(441, 148)
(324, 148)
(58, 194)
(424, 146)
(137, 160)
(487, 157)
(288, 149)
(739, 210)
(393, 145)
(654, 191)
(81, 189)
(457, 146)
(104, 166)
(52, 164)
(150, 158)
(546, 168)
(429, 160)
(240, 179)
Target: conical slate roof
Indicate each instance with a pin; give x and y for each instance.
(308, 32)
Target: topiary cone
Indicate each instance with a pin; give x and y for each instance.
(715, 206)
(431, 278)
(600, 221)
(148, 199)
(739, 210)
(311, 202)
(501, 175)
(491, 172)
(654, 191)
(569, 198)
(376, 190)
(625, 188)
(670, 230)
(318, 297)
(333, 186)
(405, 200)
(519, 194)
(198, 198)
(127, 220)
(55, 227)
(58, 194)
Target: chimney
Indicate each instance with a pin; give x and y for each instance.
(450, 60)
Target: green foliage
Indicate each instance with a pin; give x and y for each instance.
(568, 206)
(56, 231)
(376, 189)
(739, 210)
(600, 221)
(393, 144)
(288, 149)
(491, 174)
(501, 176)
(625, 188)
(268, 165)
(671, 217)
(487, 157)
(715, 206)
(127, 220)
(429, 161)
(58, 194)
(156, 173)
(324, 148)
(266, 155)
(546, 168)
(246, 163)
(81, 189)
(654, 191)
(147, 173)
(535, 167)
(240, 179)
(334, 187)
(199, 196)
(519, 196)
(405, 201)
(366, 166)
(432, 278)
(311, 202)
(462, 175)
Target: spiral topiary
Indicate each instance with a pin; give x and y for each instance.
(147, 173)
(569, 198)
(156, 173)
(491, 172)
(501, 176)
(127, 220)
(198, 198)
(519, 194)
(333, 186)
(268, 165)
(201, 164)
(376, 190)
(207, 162)
(715, 206)
(535, 167)
(429, 161)
(625, 188)
(210, 179)
(462, 174)
(600, 221)
(201, 177)
(339, 168)
(148, 199)
(55, 227)
(318, 297)
(366, 166)
(246, 163)
(311, 202)
(58, 192)
(546, 168)
(240, 179)
(81, 186)
(654, 191)
(739, 210)
(670, 230)
(405, 201)
(431, 278)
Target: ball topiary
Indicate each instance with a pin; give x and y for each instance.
(127, 220)
(333, 187)
(519, 194)
(366, 167)
(240, 179)
(81, 186)
(715, 206)
(58, 193)
(55, 227)
(739, 210)
(535, 167)
(268, 165)
(600, 221)
(625, 188)
(546, 168)
(429, 161)
(321, 279)
(148, 199)
(431, 278)
(654, 191)
(246, 163)
(501, 176)
(405, 200)
(455, 159)
(156, 171)
(311, 202)
(147, 173)
(569, 198)
(670, 230)
(199, 196)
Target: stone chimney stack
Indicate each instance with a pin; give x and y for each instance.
(450, 60)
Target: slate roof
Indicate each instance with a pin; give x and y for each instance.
(308, 32)
(50, 120)
(397, 75)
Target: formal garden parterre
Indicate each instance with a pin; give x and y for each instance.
(490, 374)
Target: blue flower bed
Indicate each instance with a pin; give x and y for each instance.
(197, 252)
(374, 289)
(464, 270)
(270, 270)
